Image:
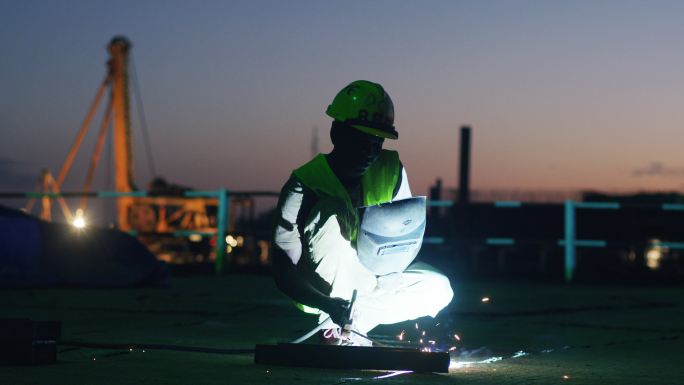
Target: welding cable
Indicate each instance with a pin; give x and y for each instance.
(375, 343)
(327, 323)
(178, 348)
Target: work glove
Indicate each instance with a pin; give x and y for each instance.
(337, 309)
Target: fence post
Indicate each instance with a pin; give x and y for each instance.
(223, 215)
(569, 240)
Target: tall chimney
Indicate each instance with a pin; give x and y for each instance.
(464, 169)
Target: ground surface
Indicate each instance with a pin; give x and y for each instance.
(592, 334)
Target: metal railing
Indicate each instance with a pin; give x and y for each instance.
(222, 220)
(570, 243)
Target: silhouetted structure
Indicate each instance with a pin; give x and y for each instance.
(464, 166)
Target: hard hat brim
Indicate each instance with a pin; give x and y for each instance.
(377, 132)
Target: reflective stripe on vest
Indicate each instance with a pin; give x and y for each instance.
(377, 184)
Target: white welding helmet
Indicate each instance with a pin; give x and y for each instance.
(391, 235)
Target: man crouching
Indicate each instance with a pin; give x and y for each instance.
(315, 261)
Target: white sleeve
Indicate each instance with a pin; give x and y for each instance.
(286, 234)
(404, 189)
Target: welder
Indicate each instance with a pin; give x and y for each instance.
(315, 260)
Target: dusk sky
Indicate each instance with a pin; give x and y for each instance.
(560, 95)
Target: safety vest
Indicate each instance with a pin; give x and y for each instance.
(377, 186)
(377, 183)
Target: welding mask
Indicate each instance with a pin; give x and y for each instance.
(391, 235)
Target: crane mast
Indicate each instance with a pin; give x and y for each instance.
(123, 156)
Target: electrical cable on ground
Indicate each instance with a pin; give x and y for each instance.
(325, 324)
(179, 348)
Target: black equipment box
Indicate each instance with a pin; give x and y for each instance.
(27, 342)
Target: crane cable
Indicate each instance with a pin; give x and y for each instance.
(143, 121)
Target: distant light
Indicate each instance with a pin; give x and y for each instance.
(195, 237)
(485, 299)
(231, 241)
(566, 377)
(263, 252)
(79, 223)
(654, 255)
(79, 220)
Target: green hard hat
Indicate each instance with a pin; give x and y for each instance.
(365, 106)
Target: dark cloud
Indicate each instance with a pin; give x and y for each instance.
(659, 169)
(14, 175)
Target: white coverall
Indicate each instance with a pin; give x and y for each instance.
(314, 242)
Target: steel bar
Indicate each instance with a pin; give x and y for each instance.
(351, 357)
(95, 159)
(81, 133)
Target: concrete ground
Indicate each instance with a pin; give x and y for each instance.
(525, 334)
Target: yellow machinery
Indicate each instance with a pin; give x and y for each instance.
(163, 210)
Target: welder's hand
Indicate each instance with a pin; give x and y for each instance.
(337, 310)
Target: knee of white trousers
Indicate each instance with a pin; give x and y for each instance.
(441, 292)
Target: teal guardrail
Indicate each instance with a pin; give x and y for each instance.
(673, 207)
(570, 243)
(223, 211)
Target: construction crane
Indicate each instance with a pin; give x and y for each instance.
(161, 213)
(117, 115)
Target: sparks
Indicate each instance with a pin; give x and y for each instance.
(421, 340)
(423, 332)
(431, 342)
(485, 299)
(393, 374)
(417, 328)
(566, 377)
(467, 364)
(490, 360)
(451, 349)
(400, 337)
(456, 337)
